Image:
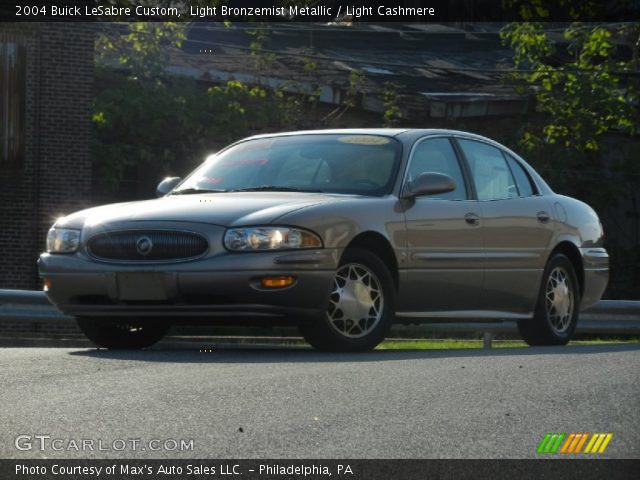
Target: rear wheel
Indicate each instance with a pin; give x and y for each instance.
(361, 306)
(556, 314)
(132, 334)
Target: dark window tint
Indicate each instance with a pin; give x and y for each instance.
(522, 178)
(491, 174)
(12, 103)
(437, 155)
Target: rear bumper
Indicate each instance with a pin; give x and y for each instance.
(82, 287)
(595, 262)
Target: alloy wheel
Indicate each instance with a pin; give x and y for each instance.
(356, 302)
(559, 300)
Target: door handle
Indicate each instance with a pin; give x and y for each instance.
(472, 219)
(543, 217)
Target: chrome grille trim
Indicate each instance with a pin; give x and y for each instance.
(168, 245)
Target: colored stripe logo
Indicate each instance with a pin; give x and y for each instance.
(573, 443)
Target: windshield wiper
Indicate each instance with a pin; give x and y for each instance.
(272, 188)
(187, 191)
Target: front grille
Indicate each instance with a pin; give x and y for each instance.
(142, 245)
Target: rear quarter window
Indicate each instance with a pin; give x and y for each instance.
(523, 181)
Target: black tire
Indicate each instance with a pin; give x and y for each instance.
(552, 324)
(371, 328)
(129, 334)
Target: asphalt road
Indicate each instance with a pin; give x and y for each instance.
(298, 403)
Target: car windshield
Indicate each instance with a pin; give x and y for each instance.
(350, 164)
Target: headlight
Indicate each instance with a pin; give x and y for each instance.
(63, 240)
(270, 238)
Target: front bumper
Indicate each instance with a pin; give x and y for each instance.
(221, 285)
(595, 262)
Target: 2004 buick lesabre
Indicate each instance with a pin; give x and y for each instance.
(342, 232)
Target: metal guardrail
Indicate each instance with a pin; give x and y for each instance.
(28, 305)
(606, 317)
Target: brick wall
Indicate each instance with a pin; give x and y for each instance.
(55, 177)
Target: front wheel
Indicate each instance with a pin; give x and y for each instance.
(131, 334)
(556, 314)
(361, 306)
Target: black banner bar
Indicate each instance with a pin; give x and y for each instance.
(320, 10)
(280, 469)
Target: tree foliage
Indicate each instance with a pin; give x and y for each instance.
(149, 121)
(392, 113)
(591, 90)
(585, 10)
(142, 48)
(167, 127)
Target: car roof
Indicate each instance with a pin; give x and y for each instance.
(390, 132)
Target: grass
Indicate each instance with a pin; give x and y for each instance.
(454, 344)
(411, 344)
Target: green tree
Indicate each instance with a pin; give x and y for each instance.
(592, 92)
(392, 114)
(351, 97)
(149, 121)
(142, 49)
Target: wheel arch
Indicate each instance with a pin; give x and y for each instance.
(381, 247)
(570, 250)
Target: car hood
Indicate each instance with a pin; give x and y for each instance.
(225, 209)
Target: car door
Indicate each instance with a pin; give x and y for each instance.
(444, 241)
(517, 227)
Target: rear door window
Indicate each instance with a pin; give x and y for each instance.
(491, 174)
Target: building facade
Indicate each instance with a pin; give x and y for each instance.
(46, 92)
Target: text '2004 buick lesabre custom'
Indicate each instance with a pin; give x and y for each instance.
(342, 232)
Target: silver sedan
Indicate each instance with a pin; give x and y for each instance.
(342, 232)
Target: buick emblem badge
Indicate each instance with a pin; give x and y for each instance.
(144, 246)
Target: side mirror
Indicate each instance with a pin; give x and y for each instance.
(429, 183)
(166, 185)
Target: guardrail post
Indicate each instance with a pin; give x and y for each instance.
(487, 338)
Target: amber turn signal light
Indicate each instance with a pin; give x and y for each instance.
(277, 282)
(47, 283)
